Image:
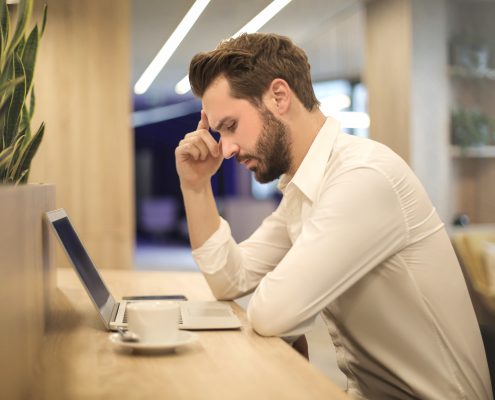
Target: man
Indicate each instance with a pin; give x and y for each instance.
(354, 238)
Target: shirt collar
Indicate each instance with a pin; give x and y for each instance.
(310, 173)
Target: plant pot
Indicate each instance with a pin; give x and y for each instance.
(27, 284)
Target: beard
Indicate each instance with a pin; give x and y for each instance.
(273, 153)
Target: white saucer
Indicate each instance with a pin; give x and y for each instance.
(183, 338)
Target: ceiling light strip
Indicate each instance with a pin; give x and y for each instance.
(263, 17)
(169, 47)
(183, 86)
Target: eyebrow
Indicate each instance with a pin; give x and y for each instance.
(221, 124)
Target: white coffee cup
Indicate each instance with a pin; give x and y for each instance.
(154, 321)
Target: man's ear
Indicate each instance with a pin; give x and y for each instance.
(281, 96)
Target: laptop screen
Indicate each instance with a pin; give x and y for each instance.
(84, 266)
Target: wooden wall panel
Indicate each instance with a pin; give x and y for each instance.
(388, 72)
(83, 94)
(407, 84)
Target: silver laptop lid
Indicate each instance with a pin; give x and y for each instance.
(86, 270)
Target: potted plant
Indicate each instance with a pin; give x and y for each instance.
(470, 51)
(17, 60)
(27, 278)
(471, 127)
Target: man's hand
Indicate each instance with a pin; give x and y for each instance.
(197, 157)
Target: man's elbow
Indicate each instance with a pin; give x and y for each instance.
(266, 322)
(221, 290)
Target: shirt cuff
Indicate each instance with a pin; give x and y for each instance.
(207, 256)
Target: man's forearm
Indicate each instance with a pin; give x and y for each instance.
(202, 214)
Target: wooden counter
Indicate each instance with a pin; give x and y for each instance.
(79, 362)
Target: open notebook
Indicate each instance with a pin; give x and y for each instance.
(194, 315)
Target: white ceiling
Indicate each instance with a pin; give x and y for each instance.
(153, 21)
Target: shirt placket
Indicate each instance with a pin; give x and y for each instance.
(329, 317)
(293, 210)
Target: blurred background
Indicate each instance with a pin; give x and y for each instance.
(416, 75)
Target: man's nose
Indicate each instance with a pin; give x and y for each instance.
(229, 148)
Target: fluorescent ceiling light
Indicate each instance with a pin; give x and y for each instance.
(170, 46)
(252, 26)
(263, 17)
(183, 86)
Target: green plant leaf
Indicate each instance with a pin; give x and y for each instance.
(43, 22)
(7, 73)
(23, 177)
(29, 56)
(20, 47)
(5, 102)
(16, 155)
(18, 53)
(2, 139)
(1, 42)
(5, 156)
(9, 86)
(4, 26)
(32, 103)
(6, 88)
(15, 107)
(4, 16)
(24, 125)
(24, 11)
(28, 153)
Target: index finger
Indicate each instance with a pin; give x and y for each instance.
(203, 122)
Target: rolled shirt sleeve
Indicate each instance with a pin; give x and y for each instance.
(233, 270)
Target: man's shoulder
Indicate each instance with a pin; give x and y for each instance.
(354, 151)
(353, 155)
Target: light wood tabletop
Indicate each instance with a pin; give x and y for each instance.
(79, 362)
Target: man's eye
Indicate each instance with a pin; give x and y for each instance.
(232, 126)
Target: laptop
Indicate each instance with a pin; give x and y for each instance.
(193, 315)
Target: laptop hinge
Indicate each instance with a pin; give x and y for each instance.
(115, 309)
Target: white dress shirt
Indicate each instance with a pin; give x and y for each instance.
(356, 239)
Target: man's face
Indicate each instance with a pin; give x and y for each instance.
(252, 134)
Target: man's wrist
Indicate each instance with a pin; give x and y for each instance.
(195, 189)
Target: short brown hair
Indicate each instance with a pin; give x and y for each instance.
(250, 63)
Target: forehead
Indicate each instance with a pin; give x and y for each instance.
(218, 103)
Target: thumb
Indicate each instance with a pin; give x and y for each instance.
(203, 122)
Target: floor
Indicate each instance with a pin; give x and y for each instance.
(321, 350)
